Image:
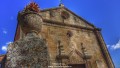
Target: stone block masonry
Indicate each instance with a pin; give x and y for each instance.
(29, 52)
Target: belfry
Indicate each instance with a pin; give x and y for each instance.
(55, 38)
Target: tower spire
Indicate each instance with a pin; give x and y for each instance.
(61, 4)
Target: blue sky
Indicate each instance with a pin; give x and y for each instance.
(104, 14)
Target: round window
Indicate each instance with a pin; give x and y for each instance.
(65, 15)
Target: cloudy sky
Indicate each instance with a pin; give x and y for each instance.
(104, 14)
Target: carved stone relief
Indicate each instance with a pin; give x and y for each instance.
(100, 64)
(52, 13)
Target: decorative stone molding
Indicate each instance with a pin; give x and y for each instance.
(65, 15)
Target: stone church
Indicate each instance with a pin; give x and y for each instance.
(55, 38)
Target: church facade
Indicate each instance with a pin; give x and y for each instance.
(71, 41)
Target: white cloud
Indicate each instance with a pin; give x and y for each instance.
(4, 31)
(8, 43)
(108, 46)
(115, 46)
(4, 47)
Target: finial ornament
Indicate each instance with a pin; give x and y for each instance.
(29, 19)
(61, 4)
(32, 7)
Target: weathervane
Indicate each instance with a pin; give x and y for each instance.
(61, 4)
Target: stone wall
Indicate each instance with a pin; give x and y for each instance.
(53, 33)
(31, 51)
(55, 15)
